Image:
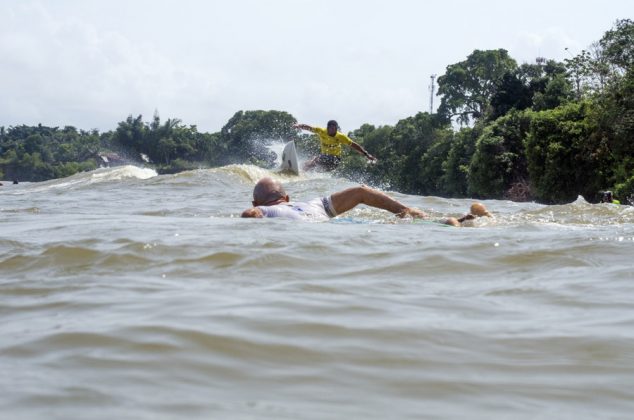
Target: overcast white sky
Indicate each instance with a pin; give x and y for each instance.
(91, 63)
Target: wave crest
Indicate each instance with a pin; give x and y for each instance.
(101, 175)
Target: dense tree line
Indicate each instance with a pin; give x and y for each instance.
(40, 153)
(547, 131)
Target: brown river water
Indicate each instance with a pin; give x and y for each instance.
(128, 295)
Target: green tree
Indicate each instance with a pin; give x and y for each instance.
(562, 162)
(163, 143)
(409, 140)
(247, 133)
(35, 153)
(454, 181)
(432, 165)
(613, 105)
(467, 87)
(206, 147)
(614, 116)
(624, 191)
(618, 47)
(130, 134)
(377, 141)
(499, 158)
(512, 93)
(538, 86)
(556, 92)
(606, 61)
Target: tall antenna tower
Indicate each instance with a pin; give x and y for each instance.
(432, 88)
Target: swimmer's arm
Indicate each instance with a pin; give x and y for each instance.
(253, 212)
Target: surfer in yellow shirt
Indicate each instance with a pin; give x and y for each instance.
(331, 140)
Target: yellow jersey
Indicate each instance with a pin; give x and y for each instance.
(331, 145)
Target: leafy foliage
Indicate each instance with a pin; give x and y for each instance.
(562, 163)
(245, 136)
(40, 153)
(618, 46)
(456, 168)
(467, 87)
(163, 143)
(536, 86)
(499, 159)
(562, 128)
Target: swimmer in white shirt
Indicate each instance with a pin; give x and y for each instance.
(270, 200)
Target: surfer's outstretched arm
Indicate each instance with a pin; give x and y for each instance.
(304, 127)
(356, 146)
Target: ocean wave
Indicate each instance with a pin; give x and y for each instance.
(90, 178)
(252, 174)
(577, 213)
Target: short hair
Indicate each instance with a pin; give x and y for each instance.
(267, 190)
(333, 122)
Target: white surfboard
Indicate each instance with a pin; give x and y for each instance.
(289, 159)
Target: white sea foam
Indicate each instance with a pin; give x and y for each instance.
(81, 179)
(122, 172)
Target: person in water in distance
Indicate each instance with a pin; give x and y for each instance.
(606, 197)
(270, 200)
(331, 140)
